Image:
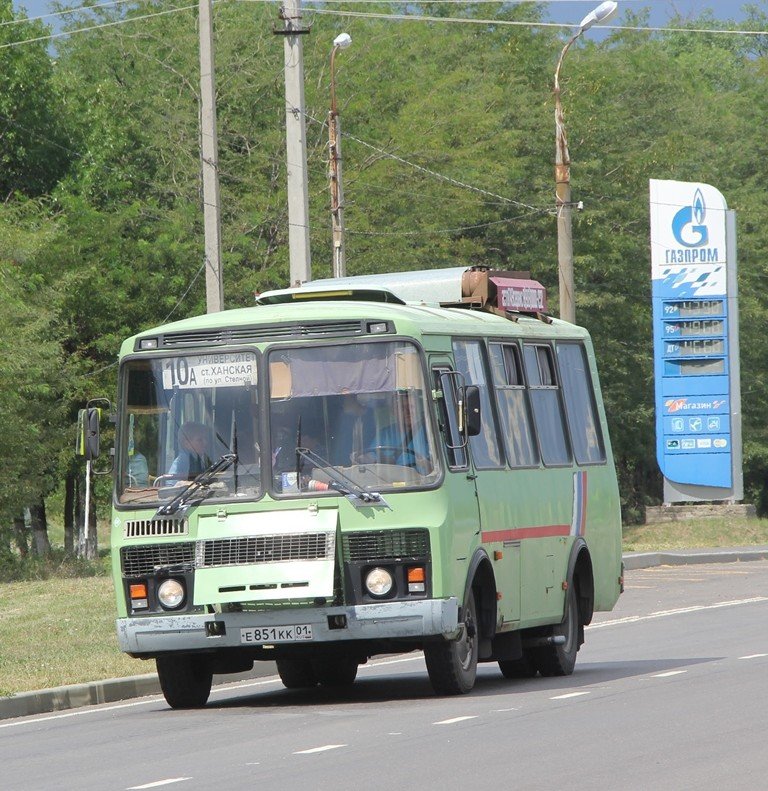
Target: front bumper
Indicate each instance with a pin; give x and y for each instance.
(380, 621)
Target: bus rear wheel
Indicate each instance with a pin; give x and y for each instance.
(452, 664)
(296, 673)
(518, 668)
(335, 672)
(560, 659)
(185, 680)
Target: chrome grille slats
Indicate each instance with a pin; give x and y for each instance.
(385, 545)
(232, 335)
(142, 560)
(274, 548)
(140, 528)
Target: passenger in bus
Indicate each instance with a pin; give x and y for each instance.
(192, 458)
(138, 471)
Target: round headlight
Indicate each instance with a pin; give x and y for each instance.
(378, 582)
(171, 594)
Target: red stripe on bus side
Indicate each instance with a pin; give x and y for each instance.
(545, 531)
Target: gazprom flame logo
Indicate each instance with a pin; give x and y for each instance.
(688, 224)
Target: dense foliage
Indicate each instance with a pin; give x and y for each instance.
(448, 160)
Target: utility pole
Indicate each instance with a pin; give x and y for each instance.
(341, 41)
(296, 145)
(209, 147)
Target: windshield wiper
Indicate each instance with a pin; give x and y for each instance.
(342, 483)
(197, 490)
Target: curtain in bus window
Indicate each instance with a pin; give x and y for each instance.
(545, 401)
(586, 438)
(331, 370)
(485, 445)
(513, 407)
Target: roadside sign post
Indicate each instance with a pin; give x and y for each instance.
(696, 343)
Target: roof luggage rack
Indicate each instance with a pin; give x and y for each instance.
(504, 293)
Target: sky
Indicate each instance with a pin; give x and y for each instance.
(564, 11)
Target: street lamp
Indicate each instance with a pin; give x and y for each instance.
(602, 13)
(342, 41)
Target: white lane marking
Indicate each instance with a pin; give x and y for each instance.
(159, 783)
(395, 733)
(320, 749)
(456, 719)
(753, 656)
(499, 711)
(679, 611)
(569, 695)
(668, 673)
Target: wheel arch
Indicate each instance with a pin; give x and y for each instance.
(482, 582)
(581, 575)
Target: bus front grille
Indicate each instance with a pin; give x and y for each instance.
(142, 560)
(139, 528)
(386, 545)
(265, 549)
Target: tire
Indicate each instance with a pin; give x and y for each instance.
(185, 680)
(452, 664)
(518, 668)
(296, 673)
(559, 660)
(336, 672)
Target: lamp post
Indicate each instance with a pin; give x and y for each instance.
(342, 41)
(602, 13)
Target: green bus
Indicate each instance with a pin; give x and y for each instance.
(364, 466)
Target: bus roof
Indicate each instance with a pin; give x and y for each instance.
(328, 319)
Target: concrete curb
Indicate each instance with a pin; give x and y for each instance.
(644, 560)
(111, 690)
(43, 701)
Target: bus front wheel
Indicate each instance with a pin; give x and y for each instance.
(185, 680)
(452, 664)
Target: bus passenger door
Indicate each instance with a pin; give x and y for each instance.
(461, 534)
(494, 483)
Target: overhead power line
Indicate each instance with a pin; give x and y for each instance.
(52, 36)
(516, 23)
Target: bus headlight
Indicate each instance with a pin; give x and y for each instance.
(379, 582)
(171, 594)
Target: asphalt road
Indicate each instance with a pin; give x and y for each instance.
(669, 692)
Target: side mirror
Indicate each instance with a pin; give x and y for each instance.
(87, 444)
(472, 410)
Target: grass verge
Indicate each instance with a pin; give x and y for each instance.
(60, 631)
(696, 534)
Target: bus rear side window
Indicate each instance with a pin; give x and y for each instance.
(586, 437)
(545, 400)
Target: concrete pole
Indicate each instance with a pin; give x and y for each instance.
(296, 148)
(214, 286)
(335, 180)
(563, 202)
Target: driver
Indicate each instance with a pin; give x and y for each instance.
(192, 458)
(402, 441)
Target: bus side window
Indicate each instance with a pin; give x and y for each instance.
(514, 409)
(586, 436)
(447, 408)
(486, 450)
(545, 400)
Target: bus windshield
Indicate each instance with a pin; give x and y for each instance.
(180, 415)
(360, 409)
(358, 412)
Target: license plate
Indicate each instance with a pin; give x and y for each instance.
(277, 634)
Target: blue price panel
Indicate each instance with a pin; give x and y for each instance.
(693, 439)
